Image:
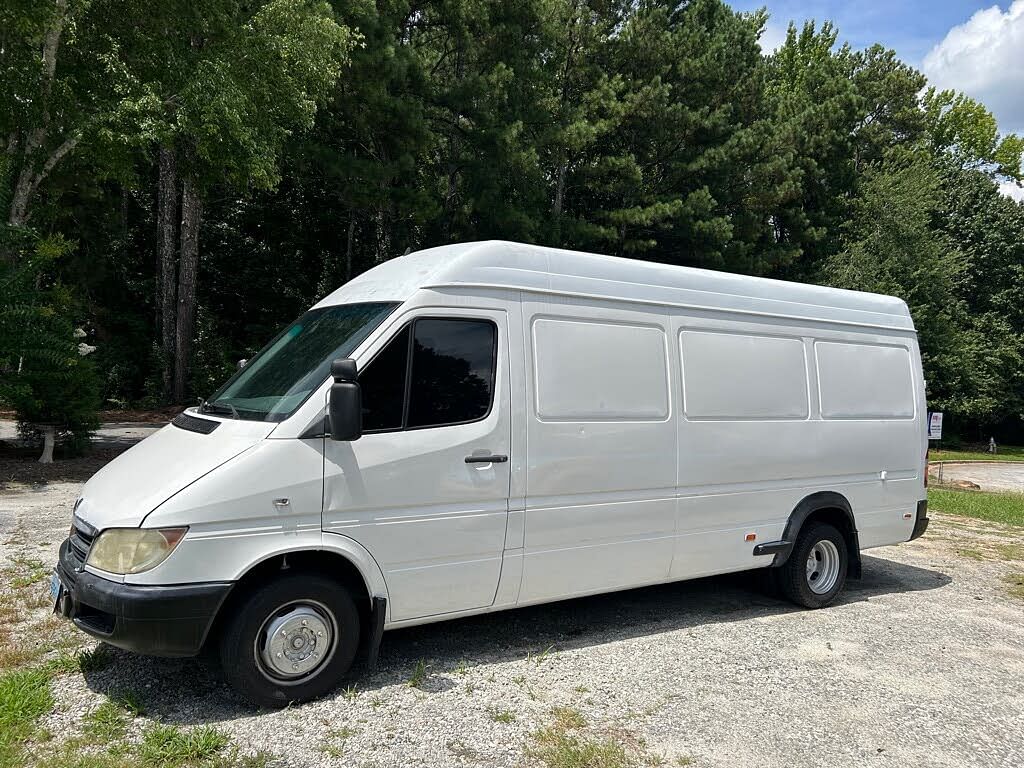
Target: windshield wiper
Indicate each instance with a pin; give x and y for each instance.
(226, 408)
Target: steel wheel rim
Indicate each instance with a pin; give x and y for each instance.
(822, 569)
(296, 641)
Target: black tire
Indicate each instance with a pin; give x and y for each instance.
(795, 579)
(285, 599)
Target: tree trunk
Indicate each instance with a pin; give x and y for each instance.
(348, 248)
(556, 207)
(28, 178)
(191, 215)
(167, 248)
(49, 438)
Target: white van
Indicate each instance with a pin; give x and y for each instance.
(489, 425)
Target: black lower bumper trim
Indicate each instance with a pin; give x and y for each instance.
(921, 524)
(153, 620)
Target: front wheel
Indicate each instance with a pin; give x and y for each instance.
(816, 570)
(292, 640)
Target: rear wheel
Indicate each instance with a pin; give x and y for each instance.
(816, 570)
(292, 640)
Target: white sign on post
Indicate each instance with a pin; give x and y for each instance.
(935, 425)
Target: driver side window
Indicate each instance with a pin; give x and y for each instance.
(434, 372)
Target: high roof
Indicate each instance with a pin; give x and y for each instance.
(500, 264)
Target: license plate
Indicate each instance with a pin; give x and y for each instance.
(56, 592)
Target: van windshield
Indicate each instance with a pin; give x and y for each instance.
(274, 383)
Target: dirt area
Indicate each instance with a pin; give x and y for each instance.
(919, 663)
(988, 477)
(18, 460)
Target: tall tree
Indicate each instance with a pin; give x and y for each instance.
(228, 82)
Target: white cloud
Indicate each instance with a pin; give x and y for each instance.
(984, 58)
(773, 36)
(1012, 190)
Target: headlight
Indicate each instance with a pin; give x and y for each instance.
(133, 550)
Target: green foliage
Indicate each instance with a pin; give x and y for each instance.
(966, 128)
(328, 137)
(1007, 508)
(46, 377)
(24, 698)
(166, 746)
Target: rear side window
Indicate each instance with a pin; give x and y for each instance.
(435, 372)
(595, 371)
(864, 381)
(736, 377)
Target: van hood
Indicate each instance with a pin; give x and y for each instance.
(149, 473)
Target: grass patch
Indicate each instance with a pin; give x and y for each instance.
(567, 718)
(1010, 551)
(106, 723)
(554, 747)
(130, 702)
(1007, 508)
(501, 715)
(169, 747)
(1006, 453)
(96, 659)
(1015, 584)
(567, 743)
(342, 734)
(28, 572)
(24, 698)
(971, 554)
(419, 675)
(541, 657)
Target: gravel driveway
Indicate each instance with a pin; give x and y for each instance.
(920, 663)
(1008, 476)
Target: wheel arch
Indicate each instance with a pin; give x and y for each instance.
(828, 507)
(337, 556)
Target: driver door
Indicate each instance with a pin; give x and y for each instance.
(426, 488)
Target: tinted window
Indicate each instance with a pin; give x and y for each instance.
(383, 385)
(452, 372)
(451, 376)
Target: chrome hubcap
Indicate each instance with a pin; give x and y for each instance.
(822, 567)
(296, 640)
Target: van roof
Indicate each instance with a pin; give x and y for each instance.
(497, 264)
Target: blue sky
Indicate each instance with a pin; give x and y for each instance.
(910, 27)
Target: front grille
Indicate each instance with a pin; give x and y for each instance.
(82, 537)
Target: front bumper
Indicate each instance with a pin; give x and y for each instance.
(169, 620)
(921, 524)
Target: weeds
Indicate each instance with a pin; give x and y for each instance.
(419, 674)
(1015, 582)
(169, 747)
(567, 717)
(24, 698)
(501, 715)
(106, 723)
(96, 659)
(541, 657)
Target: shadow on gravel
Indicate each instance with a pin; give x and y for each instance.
(190, 691)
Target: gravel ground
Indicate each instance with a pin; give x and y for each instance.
(919, 663)
(991, 477)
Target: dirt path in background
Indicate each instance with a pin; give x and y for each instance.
(990, 477)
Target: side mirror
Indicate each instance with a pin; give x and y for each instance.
(345, 407)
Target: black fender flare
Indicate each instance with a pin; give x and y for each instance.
(808, 506)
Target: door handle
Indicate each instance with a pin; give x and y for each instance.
(486, 459)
